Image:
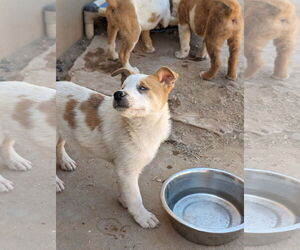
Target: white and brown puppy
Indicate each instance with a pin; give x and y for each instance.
(27, 113)
(216, 21)
(133, 18)
(126, 129)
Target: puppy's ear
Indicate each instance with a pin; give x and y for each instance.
(167, 76)
(112, 3)
(124, 73)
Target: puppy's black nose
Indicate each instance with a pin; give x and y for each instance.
(119, 95)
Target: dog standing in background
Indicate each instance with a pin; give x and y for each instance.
(216, 21)
(132, 18)
(267, 20)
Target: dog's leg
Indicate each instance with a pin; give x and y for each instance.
(131, 198)
(11, 158)
(5, 185)
(254, 60)
(234, 49)
(203, 53)
(60, 186)
(213, 49)
(128, 44)
(111, 41)
(147, 41)
(184, 37)
(284, 47)
(63, 159)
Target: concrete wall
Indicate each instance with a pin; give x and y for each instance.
(69, 23)
(21, 22)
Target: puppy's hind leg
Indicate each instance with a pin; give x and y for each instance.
(63, 159)
(213, 49)
(11, 158)
(234, 48)
(284, 47)
(5, 185)
(112, 32)
(184, 37)
(147, 41)
(131, 198)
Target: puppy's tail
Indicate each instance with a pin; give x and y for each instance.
(227, 8)
(113, 3)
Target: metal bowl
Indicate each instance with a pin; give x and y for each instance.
(272, 206)
(205, 205)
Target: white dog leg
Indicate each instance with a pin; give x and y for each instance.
(60, 186)
(12, 159)
(5, 185)
(63, 159)
(184, 37)
(131, 196)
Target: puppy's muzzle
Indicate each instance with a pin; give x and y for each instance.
(120, 100)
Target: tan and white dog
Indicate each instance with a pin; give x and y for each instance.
(126, 129)
(133, 18)
(267, 20)
(215, 21)
(27, 113)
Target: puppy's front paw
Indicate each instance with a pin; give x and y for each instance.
(67, 164)
(5, 185)
(146, 219)
(181, 55)
(60, 186)
(113, 55)
(18, 163)
(122, 202)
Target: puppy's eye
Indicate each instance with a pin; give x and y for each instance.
(142, 88)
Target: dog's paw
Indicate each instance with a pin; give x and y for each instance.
(60, 186)
(205, 76)
(112, 55)
(146, 219)
(280, 78)
(67, 164)
(18, 163)
(5, 185)
(180, 55)
(122, 202)
(231, 78)
(149, 50)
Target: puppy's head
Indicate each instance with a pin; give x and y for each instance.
(142, 94)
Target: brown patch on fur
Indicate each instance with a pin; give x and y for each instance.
(69, 115)
(22, 114)
(121, 17)
(154, 18)
(159, 86)
(48, 107)
(90, 108)
(267, 20)
(215, 22)
(96, 61)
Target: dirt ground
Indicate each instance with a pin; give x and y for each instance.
(207, 131)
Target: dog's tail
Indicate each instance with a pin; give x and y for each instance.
(113, 3)
(227, 8)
